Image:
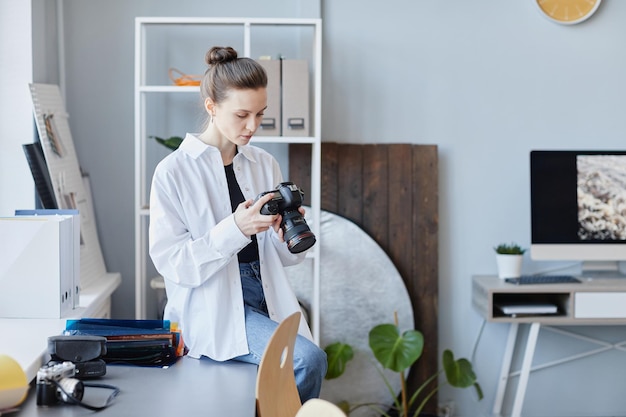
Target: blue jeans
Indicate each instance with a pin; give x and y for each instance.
(309, 360)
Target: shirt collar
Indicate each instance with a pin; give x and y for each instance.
(245, 151)
(195, 147)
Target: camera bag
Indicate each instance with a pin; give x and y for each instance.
(84, 351)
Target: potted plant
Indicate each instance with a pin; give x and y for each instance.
(509, 259)
(398, 352)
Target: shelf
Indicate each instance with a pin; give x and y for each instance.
(227, 21)
(559, 299)
(264, 36)
(29, 349)
(167, 89)
(283, 139)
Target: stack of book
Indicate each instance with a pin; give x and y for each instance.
(133, 342)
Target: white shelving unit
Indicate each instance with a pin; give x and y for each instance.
(145, 88)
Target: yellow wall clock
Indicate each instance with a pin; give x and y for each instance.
(567, 12)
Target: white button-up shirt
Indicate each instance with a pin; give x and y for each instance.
(194, 243)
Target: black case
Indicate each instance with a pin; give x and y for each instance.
(83, 351)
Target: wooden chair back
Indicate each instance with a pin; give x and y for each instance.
(276, 390)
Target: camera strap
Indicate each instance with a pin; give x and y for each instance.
(74, 400)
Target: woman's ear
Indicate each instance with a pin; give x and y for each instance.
(209, 105)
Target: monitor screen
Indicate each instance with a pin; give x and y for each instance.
(578, 207)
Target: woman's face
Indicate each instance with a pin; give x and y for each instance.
(240, 114)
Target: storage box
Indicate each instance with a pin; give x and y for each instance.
(36, 266)
(271, 123)
(76, 245)
(295, 98)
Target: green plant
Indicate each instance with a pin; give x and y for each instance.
(172, 143)
(509, 249)
(398, 352)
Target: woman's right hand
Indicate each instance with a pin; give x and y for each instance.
(249, 219)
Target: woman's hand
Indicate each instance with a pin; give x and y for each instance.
(278, 222)
(250, 221)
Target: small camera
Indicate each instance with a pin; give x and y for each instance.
(286, 201)
(56, 384)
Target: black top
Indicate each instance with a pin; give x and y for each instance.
(251, 251)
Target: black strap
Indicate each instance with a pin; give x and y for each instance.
(74, 400)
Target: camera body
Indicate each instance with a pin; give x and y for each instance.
(286, 201)
(56, 383)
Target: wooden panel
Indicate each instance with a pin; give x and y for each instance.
(423, 286)
(350, 182)
(300, 169)
(375, 196)
(400, 217)
(391, 192)
(329, 177)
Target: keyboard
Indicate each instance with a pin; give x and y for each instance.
(543, 279)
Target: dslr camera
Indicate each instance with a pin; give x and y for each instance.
(56, 384)
(286, 201)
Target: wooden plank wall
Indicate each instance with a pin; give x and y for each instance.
(391, 192)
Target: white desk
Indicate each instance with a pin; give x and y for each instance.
(592, 302)
(26, 340)
(190, 387)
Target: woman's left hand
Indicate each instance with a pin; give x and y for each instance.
(279, 220)
(278, 229)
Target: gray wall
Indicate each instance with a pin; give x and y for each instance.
(485, 80)
(16, 124)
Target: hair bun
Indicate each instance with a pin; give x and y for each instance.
(220, 54)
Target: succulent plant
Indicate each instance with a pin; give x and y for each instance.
(509, 249)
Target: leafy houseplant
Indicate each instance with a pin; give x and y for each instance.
(172, 143)
(398, 352)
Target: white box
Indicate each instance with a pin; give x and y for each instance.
(77, 242)
(36, 266)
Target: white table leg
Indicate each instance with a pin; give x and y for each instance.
(505, 369)
(531, 343)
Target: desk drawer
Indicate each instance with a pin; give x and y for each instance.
(600, 305)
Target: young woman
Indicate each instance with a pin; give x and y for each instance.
(222, 259)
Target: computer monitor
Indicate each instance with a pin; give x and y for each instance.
(578, 208)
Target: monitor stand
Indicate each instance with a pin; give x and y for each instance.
(602, 270)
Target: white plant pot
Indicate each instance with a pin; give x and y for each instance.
(509, 266)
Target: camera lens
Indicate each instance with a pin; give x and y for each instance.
(71, 387)
(296, 232)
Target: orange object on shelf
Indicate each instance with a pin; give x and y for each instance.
(179, 78)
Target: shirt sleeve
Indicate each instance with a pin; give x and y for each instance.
(286, 257)
(177, 255)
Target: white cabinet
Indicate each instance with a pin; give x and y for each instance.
(164, 110)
